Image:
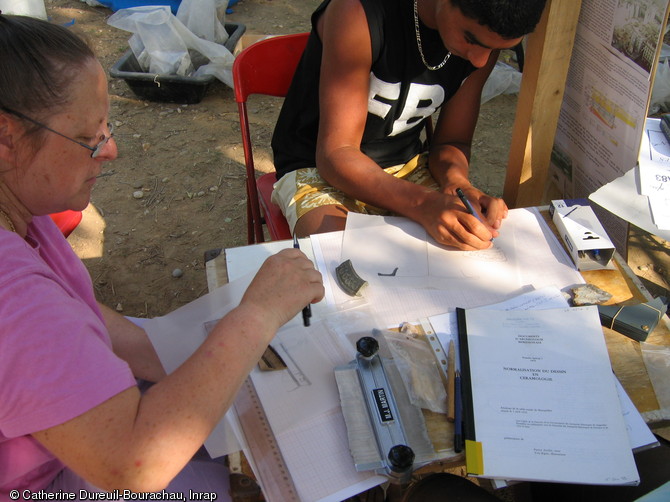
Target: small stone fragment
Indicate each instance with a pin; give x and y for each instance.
(177, 272)
(588, 294)
(138, 194)
(410, 330)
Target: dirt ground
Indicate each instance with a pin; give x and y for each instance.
(187, 160)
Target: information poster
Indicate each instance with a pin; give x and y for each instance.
(604, 108)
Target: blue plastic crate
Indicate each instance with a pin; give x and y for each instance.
(127, 4)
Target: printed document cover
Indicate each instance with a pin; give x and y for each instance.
(540, 403)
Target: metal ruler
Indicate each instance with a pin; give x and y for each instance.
(269, 465)
(436, 346)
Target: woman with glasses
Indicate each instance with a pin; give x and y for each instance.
(71, 415)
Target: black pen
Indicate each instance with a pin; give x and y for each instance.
(307, 311)
(467, 204)
(458, 414)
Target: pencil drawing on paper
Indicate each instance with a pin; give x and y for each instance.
(493, 254)
(392, 274)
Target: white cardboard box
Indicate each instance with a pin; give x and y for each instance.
(585, 238)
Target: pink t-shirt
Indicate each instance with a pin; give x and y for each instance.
(56, 360)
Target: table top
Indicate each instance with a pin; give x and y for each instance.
(625, 353)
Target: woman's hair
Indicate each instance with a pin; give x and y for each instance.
(38, 63)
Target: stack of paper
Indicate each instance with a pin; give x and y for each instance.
(540, 403)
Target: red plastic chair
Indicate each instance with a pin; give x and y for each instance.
(66, 221)
(266, 67)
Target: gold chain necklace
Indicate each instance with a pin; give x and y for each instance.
(8, 220)
(418, 43)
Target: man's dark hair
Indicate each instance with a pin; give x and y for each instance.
(508, 18)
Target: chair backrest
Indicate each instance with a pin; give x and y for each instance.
(266, 67)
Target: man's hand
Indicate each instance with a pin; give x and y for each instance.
(448, 221)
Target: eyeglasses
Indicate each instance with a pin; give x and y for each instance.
(95, 150)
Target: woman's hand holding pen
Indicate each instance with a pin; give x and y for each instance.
(285, 283)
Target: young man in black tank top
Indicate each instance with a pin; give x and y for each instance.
(348, 135)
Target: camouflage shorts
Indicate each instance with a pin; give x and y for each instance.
(300, 191)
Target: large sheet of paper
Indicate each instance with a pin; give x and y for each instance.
(654, 166)
(392, 251)
(302, 406)
(654, 160)
(177, 335)
(635, 210)
(432, 279)
(544, 404)
(301, 402)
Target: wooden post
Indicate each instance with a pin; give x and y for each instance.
(547, 60)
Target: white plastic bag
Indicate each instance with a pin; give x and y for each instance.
(660, 93)
(504, 79)
(419, 371)
(162, 44)
(204, 18)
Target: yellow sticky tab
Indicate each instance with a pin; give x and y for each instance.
(474, 458)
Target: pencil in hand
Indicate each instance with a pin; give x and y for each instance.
(458, 418)
(451, 381)
(307, 311)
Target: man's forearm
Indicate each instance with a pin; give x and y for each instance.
(449, 165)
(355, 174)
